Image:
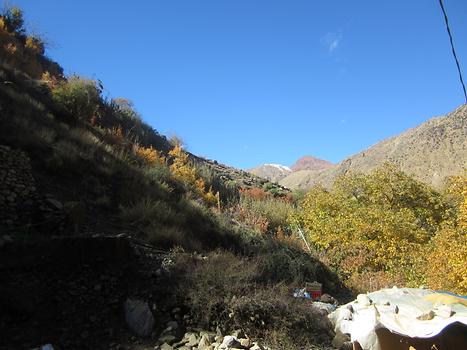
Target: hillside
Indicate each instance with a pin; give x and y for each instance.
(113, 237)
(272, 172)
(430, 152)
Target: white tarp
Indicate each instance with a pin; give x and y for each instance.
(411, 312)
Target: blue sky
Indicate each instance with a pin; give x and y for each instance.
(247, 82)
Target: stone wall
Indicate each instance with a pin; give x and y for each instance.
(17, 186)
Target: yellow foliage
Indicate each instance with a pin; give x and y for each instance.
(35, 45)
(378, 224)
(183, 170)
(446, 266)
(458, 188)
(149, 155)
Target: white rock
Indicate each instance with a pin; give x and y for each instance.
(230, 342)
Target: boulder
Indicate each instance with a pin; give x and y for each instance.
(139, 317)
(204, 343)
(230, 342)
(326, 298)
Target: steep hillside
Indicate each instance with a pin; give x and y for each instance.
(430, 152)
(311, 163)
(272, 172)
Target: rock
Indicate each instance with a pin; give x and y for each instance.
(230, 342)
(324, 308)
(219, 339)
(211, 337)
(173, 325)
(326, 298)
(245, 342)
(193, 340)
(167, 338)
(166, 346)
(426, 316)
(238, 334)
(139, 317)
(204, 343)
(339, 339)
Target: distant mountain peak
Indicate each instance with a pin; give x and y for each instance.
(279, 166)
(311, 163)
(272, 172)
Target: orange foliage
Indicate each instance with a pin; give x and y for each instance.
(254, 193)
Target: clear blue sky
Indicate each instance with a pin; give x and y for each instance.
(254, 81)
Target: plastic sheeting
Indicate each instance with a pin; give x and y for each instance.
(410, 312)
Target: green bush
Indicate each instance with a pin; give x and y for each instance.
(79, 97)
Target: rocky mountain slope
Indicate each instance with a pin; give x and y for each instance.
(311, 163)
(430, 152)
(281, 173)
(272, 172)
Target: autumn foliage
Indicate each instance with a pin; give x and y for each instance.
(182, 169)
(22, 51)
(387, 228)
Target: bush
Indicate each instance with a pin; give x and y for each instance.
(264, 212)
(222, 290)
(79, 97)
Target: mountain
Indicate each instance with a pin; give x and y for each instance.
(311, 163)
(272, 172)
(430, 152)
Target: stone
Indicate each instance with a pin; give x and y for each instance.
(204, 342)
(230, 342)
(139, 317)
(326, 298)
(166, 346)
(193, 339)
(238, 334)
(173, 325)
(426, 316)
(339, 339)
(245, 342)
(211, 336)
(167, 338)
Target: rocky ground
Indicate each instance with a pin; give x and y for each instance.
(97, 293)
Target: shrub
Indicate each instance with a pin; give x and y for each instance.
(79, 97)
(222, 290)
(182, 169)
(264, 212)
(149, 156)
